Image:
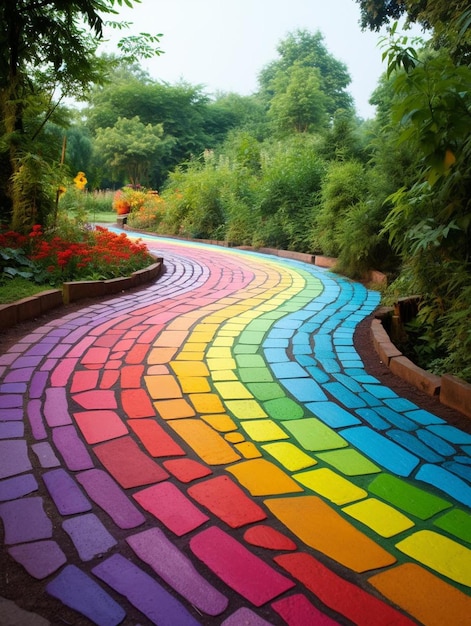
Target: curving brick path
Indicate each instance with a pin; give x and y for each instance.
(210, 450)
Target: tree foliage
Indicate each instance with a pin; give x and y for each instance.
(47, 51)
(430, 13)
(303, 49)
(298, 104)
(129, 148)
(429, 223)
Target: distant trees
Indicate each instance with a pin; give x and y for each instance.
(129, 147)
(47, 51)
(188, 119)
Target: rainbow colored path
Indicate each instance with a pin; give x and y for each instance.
(210, 450)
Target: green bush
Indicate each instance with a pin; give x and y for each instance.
(193, 204)
(290, 184)
(344, 187)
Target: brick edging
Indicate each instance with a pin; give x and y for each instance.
(34, 306)
(450, 390)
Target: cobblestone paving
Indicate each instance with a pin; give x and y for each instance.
(210, 450)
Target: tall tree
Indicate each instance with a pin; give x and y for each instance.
(46, 47)
(130, 147)
(298, 104)
(308, 50)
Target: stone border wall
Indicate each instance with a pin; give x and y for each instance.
(450, 390)
(35, 306)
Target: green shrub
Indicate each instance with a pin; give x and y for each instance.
(345, 186)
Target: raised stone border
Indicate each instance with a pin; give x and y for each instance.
(450, 390)
(34, 306)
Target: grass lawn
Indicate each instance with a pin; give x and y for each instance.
(18, 288)
(102, 217)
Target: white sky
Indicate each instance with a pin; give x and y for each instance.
(223, 45)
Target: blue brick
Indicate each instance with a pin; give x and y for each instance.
(446, 481)
(304, 389)
(424, 417)
(348, 360)
(289, 323)
(275, 343)
(349, 383)
(452, 434)
(275, 355)
(288, 370)
(439, 445)
(396, 419)
(373, 419)
(344, 395)
(331, 365)
(332, 414)
(306, 359)
(380, 391)
(400, 404)
(411, 443)
(319, 375)
(281, 333)
(381, 450)
(460, 470)
(360, 376)
(370, 400)
(302, 349)
(324, 355)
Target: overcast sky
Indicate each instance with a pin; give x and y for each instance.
(223, 44)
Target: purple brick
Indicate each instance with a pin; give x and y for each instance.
(143, 592)
(36, 421)
(72, 449)
(40, 349)
(56, 410)
(48, 365)
(65, 492)
(50, 338)
(25, 520)
(105, 492)
(9, 430)
(13, 457)
(7, 359)
(40, 559)
(26, 361)
(177, 570)
(20, 376)
(17, 487)
(59, 332)
(74, 336)
(59, 351)
(11, 401)
(45, 454)
(13, 388)
(12, 415)
(79, 592)
(89, 536)
(38, 384)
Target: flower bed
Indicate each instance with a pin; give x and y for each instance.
(89, 263)
(50, 258)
